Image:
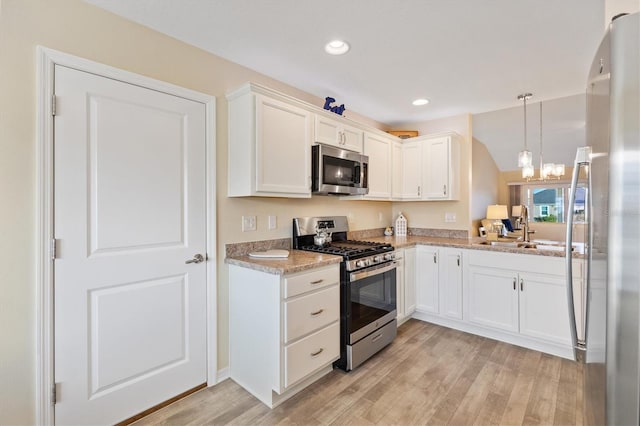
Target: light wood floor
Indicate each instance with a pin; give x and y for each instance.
(429, 375)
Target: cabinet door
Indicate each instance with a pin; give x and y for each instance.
(327, 131)
(379, 151)
(543, 307)
(427, 280)
(411, 173)
(493, 298)
(282, 147)
(396, 170)
(400, 285)
(336, 133)
(435, 161)
(409, 281)
(352, 139)
(451, 283)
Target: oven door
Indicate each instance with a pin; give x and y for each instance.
(372, 300)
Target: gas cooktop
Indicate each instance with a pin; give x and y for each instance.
(350, 249)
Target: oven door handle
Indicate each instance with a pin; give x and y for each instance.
(375, 270)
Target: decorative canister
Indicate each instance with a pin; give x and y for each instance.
(401, 226)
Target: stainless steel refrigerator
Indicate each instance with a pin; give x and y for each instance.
(605, 312)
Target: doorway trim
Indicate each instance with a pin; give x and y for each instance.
(45, 63)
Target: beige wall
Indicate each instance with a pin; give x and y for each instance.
(430, 214)
(485, 179)
(75, 27)
(614, 7)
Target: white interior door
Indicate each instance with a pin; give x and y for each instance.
(130, 315)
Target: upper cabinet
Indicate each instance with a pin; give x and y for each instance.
(269, 146)
(441, 167)
(378, 149)
(411, 170)
(334, 132)
(431, 168)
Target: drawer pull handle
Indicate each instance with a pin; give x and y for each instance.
(376, 338)
(318, 352)
(316, 282)
(318, 312)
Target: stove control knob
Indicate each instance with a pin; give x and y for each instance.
(360, 263)
(378, 259)
(389, 256)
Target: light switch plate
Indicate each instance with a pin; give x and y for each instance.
(248, 223)
(272, 222)
(449, 217)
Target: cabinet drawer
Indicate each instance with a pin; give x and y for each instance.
(302, 283)
(311, 312)
(311, 353)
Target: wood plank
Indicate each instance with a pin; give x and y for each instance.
(429, 375)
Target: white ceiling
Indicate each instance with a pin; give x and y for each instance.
(563, 131)
(466, 56)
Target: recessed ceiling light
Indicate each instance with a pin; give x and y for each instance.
(336, 47)
(420, 102)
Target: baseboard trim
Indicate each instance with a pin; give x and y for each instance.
(221, 376)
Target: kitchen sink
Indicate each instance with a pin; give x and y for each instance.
(534, 245)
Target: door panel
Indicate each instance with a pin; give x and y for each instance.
(117, 149)
(493, 298)
(129, 181)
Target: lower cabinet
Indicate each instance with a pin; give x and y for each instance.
(527, 297)
(439, 281)
(517, 298)
(427, 279)
(284, 330)
(405, 283)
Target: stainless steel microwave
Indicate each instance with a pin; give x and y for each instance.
(338, 171)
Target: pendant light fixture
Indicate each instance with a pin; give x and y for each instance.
(525, 159)
(548, 170)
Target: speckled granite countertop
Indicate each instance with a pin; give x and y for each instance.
(463, 243)
(303, 260)
(297, 261)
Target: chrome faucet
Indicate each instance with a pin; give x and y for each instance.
(524, 221)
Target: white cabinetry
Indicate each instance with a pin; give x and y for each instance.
(405, 283)
(427, 279)
(336, 133)
(409, 281)
(411, 170)
(269, 146)
(378, 148)
(284, 331)
(396, 170)
(451, 282)
(441, 168)
(431, 167)
(523, 294)
(439, 281)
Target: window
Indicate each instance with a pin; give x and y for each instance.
(549, 202)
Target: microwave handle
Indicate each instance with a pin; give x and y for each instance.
(357, 173)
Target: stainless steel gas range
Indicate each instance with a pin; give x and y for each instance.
(367, 286)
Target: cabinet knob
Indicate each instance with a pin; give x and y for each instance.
(514, 283)
(458, 260)
(435, 260)
(318, 352)
(521, 284)
(444, 189)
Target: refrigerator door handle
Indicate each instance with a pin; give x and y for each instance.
(582, 159)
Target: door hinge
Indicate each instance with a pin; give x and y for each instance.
(53, 248)
(53, 104)
(54, 393)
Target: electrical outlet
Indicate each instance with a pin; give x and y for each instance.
(248, 223)
(449, 217)
(272, 222)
